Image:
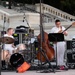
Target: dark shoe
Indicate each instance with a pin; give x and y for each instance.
(3, 68)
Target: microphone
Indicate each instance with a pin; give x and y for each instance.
(23, 20)
(24, 17)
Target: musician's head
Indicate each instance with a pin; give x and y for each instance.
(10, 31)
(58, 23)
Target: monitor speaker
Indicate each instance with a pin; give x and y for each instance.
(70, 52)
(20, 38)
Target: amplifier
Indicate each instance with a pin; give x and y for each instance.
(20, 38)
(70, 52)
(71, 44)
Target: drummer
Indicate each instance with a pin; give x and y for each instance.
(10, 47)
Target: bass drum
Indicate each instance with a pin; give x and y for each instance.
(16, 60)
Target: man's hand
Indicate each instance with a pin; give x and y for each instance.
(65, 33)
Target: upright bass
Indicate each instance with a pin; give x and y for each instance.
(49, 51)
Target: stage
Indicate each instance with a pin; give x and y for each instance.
(35, 72)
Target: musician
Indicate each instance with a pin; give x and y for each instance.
(59, 47)
(9, 47)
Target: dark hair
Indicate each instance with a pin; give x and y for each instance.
(9, 29)
(57, 21)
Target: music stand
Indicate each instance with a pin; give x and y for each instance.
(56, 37)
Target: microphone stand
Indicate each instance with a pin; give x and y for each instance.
(3, 62)
(24, 19)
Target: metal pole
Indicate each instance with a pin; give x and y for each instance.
(40, 25)
(0, 59)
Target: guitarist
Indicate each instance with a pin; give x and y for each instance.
(59, 46)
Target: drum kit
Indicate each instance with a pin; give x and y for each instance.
(19, 55)
(13, 60)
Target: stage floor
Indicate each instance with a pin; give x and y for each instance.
(35, 72)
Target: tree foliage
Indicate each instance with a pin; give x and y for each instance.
(68, 6)
(65, 5)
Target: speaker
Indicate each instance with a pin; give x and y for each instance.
(16, 37)
(70, 44)
(20, 38)
(71, 58)
(70, 52)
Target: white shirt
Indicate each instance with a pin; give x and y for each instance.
(56, 29)
(8, 46)
(6, 35)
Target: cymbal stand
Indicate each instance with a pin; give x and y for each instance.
(24, 19)
(0, 59)
(4, 65)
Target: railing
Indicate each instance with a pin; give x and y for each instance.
(51, 10)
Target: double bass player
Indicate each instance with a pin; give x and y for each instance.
(60, 45)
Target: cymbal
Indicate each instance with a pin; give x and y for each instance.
(7, 40)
